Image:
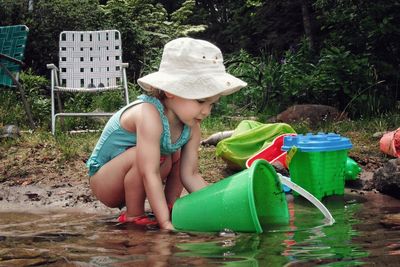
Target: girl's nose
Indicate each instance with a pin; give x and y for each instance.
(206, 110)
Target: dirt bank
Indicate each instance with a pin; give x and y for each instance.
(36, 177)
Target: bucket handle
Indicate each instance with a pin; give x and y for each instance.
(286, 181)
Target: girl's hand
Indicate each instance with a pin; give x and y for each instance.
(167, 225)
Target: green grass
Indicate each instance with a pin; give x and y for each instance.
(76, 145)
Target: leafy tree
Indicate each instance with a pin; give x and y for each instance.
(171, 5)
(48, 19)
(342, 53)
(367, 29)
(12, 12)
(145, 27)
(269, 26)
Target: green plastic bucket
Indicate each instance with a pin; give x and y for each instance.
(244, 202)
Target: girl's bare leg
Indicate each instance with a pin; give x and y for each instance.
(134, 201)
(107, 183)
(118, 182)
(134, 197)
(173, 185)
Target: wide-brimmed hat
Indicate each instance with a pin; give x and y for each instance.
(192, 69)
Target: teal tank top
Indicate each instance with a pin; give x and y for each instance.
(114, 139)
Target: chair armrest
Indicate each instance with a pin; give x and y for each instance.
(54, 70)
(125, 65)
(14, 60)
(52, 67)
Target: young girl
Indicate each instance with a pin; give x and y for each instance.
(156, 138)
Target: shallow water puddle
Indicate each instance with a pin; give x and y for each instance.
(79, 239)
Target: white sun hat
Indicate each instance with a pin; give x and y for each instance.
(192, 69)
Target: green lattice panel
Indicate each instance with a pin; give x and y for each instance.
(12, 43)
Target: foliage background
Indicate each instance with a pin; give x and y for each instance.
(340, 53)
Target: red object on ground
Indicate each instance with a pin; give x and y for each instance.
(397, 142)
(272, 153)
(140, 220)
(390, 143)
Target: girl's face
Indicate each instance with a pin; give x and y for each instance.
(191, 111)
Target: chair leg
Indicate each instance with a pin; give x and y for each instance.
(53, 117)
(53, 111)
(60, 109)
(26, 106)
(22, 93)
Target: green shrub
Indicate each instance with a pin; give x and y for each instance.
(337, 78)
(35, 87)
(12, 110)
(263, 76)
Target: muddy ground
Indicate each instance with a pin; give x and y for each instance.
(32, 176)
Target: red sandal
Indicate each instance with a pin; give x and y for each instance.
(142, 219)
(139, 220)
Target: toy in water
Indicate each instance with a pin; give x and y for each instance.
(248, 201)
(243, 202)
(248, 138)
(304, 193)
(390, 143)
(317, 162)
(272, 153)
(351, 170)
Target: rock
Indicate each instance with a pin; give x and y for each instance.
(214, 139)
(10, 131)
(378, 135)
(391, 221)
(387, 178)
(363, 183)
(312, 113)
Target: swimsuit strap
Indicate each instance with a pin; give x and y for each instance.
(167, 147)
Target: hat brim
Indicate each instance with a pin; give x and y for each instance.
(191, 86)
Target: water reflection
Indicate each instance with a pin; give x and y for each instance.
(304, 241)
(74, 239)
(331, 244)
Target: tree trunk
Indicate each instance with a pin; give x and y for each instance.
(307, 23)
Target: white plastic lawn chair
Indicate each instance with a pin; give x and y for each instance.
(89, 61)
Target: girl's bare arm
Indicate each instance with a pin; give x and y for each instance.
(191, 179)
(149, 130)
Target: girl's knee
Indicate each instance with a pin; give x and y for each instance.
(109, 194)
(95, 184)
